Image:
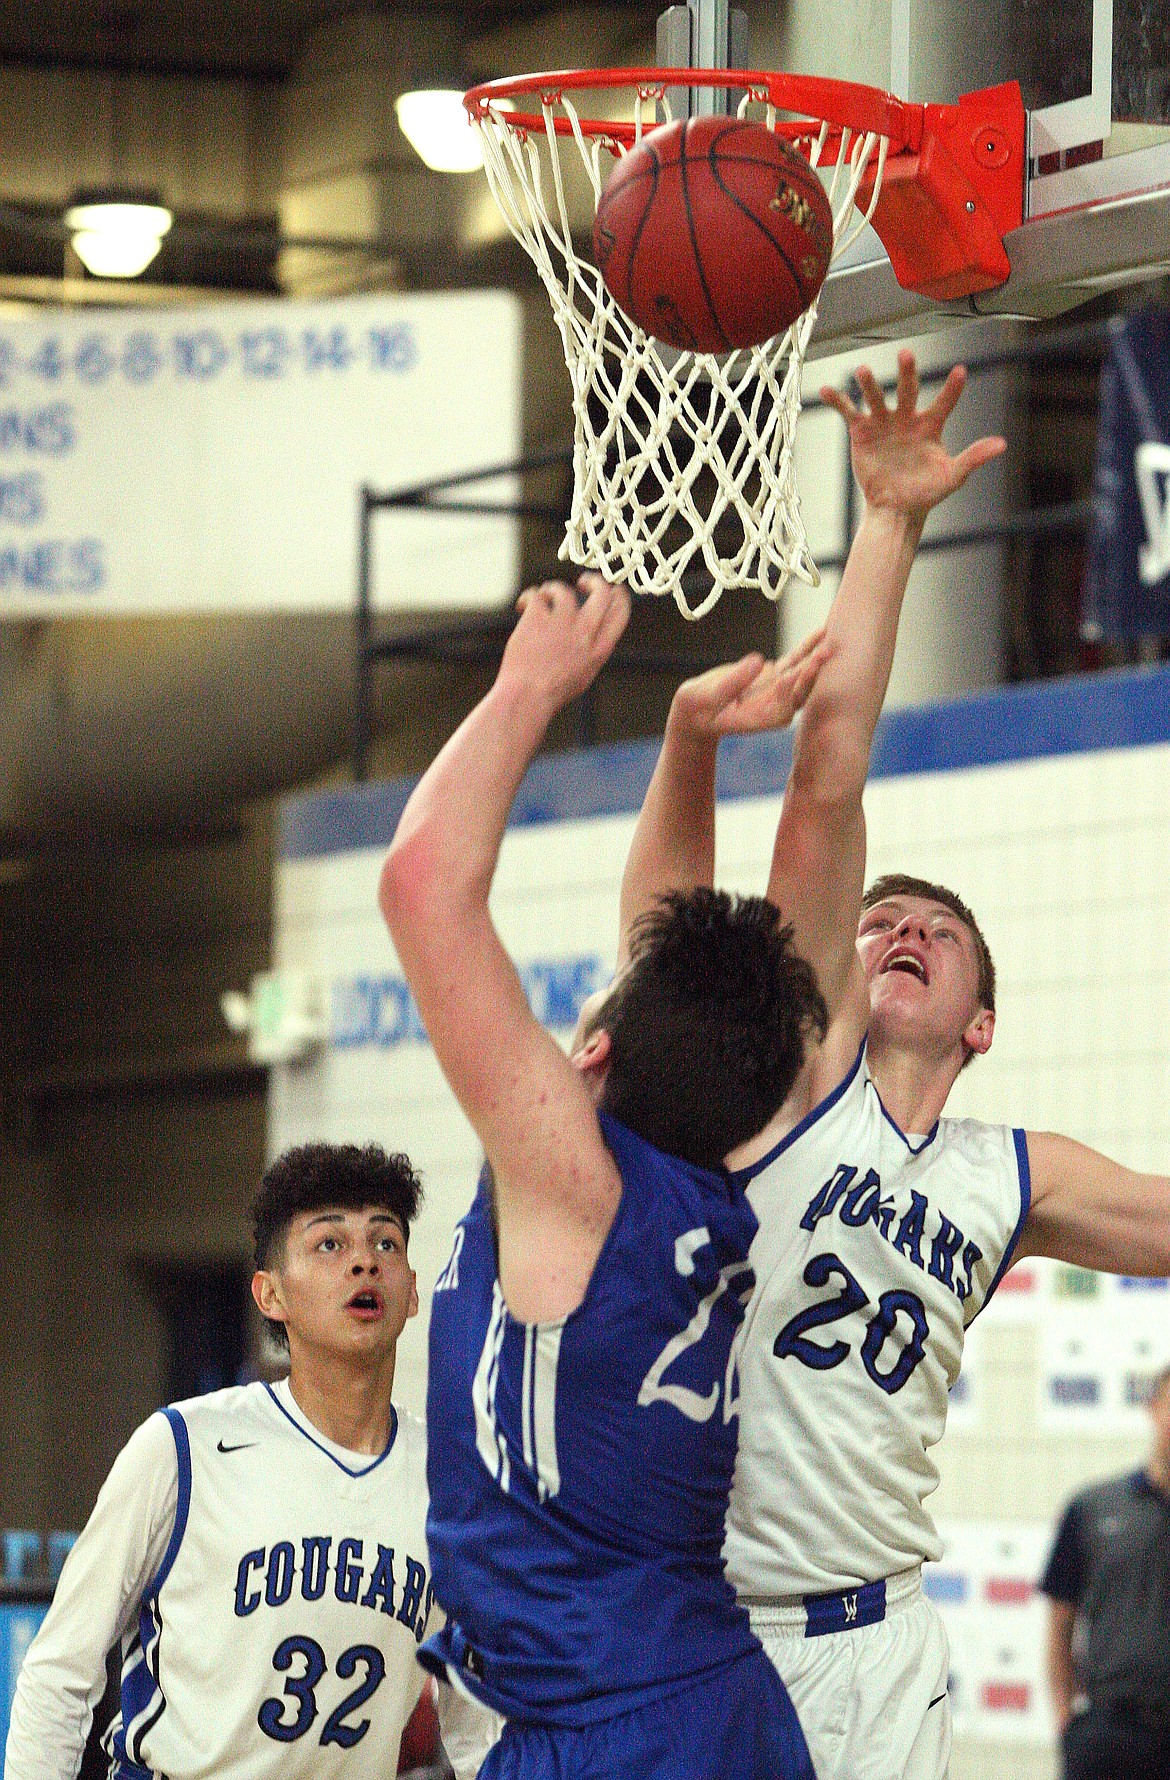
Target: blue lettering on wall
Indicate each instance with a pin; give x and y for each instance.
(53, 567)
(22, 499)
(330, 351)
(264, 352)
(48, 361)
(93, 360)
(42, 432)
(142, 358)
(394, 349)
(201, 355)
(379, 1011)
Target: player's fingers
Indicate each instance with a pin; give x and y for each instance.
(592, 597)
(706, 694)
(944, 402)
(981, 452)
(871, 389)
(728, 683)
(907, 382)
(614, 605)
(804, 649)
(806, 676)
(838, 400)
(542, 595)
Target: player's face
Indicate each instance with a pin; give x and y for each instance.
(345, 1284)
(922, 968)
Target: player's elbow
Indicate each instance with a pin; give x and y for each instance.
(406, 886)
(829, 769)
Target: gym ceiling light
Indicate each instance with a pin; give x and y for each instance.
(116, 233)
(439, 130)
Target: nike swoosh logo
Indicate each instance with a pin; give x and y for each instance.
(936, 1700)
(220, 1447)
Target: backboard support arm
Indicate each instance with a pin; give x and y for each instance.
(702, 34)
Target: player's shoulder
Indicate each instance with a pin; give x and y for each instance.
(979, 1142)
(233, 1407)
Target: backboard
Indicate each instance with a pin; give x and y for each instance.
(1095, 77)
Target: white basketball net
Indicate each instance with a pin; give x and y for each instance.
(681, 461)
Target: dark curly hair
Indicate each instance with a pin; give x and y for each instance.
(708, 1025)
(316, 1175)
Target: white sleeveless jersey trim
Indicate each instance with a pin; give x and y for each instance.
(278, 1637)
(322, 1446)
(875, 1251)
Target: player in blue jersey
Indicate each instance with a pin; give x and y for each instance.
(581, 1402)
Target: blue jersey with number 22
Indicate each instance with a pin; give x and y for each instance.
(580, 1470)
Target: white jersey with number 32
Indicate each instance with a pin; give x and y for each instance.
(875, 1251)
(279, 1637)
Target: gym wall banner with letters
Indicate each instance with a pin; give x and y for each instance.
(212, 458)
(1127, 574)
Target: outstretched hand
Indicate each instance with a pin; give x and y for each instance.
(564, 637)
(753, 694)
(899, 458)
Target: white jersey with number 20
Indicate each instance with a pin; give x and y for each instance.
(875, 1251)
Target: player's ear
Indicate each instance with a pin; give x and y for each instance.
(980, 1031)
(267, 1295)
(412, 1308)
(592, 1057)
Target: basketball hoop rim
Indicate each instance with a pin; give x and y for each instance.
(843, 104)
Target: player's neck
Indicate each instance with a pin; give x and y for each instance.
(913, 1087)
(347, 1401)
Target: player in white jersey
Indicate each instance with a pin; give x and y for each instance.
(260, 1552)
(884, 1227)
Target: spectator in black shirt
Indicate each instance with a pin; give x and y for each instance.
(1108, 1582)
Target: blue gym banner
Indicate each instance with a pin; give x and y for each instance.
(1127, 573)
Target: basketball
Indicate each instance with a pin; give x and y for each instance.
(713, 234)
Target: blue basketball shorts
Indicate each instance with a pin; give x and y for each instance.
(731, 1723)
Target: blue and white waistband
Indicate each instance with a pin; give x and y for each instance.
(843, 1610)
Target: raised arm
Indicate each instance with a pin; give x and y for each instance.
(819, 858)
(818, 864)
(1093, 1212)
(674, 842)
(556, 1185)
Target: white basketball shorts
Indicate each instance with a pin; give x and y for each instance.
(871, 1697)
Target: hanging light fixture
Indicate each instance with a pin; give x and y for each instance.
(439, 130)
(117, 232)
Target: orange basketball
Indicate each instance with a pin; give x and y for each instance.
(713, 233)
